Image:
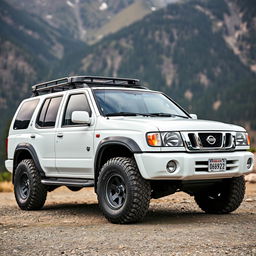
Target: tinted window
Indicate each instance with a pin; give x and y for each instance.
(48, 113)
(25, 113)
(76, 102)
(138, 102)
(41, 118)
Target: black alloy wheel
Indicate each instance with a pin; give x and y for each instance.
(116, 191)
(23, 186)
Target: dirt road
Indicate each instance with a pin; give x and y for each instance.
(71, 224)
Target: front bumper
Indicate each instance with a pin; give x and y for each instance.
(152, 166)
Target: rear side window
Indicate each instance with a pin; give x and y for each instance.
(76, 102)
(40, 120)
(48, 114)
(25, 114)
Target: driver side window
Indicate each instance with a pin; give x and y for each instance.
(76, 102)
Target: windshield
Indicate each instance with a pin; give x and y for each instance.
(132, 103)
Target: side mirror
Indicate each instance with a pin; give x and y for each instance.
(193, 116)
(80, 117)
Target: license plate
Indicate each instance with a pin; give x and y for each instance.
(217, 165)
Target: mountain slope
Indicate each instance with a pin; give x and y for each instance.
(89, 20)
(76, 18)
(29, 48)
(199, 52)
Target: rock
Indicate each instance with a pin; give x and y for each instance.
(251, 178)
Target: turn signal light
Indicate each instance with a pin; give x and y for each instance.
(248, 139)
(154, 139)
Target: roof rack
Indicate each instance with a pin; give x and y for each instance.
(73, 82)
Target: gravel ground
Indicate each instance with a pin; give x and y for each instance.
(71, 224)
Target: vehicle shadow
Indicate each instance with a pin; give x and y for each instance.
(174, 216)
(74, 208)
(154, 216)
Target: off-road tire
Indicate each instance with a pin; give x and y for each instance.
(226, 199)
(136, 189)
(35, 196)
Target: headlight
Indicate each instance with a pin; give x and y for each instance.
(164, 139)
(242, 139)
(171, 139)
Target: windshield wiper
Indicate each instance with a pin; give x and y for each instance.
(126, 114)
(166, 115)
(186, 117)
(144, 114)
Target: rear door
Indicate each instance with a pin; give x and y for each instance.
(43, 138)
(74, 143)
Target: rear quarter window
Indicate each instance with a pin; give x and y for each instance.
(24, 115)
(48, 113)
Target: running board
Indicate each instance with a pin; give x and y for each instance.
(68, 182)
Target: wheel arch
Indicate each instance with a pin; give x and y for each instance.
(113, 147)
(26, 151)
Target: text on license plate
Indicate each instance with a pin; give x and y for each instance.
(217, 165)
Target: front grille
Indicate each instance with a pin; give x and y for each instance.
(209, 141)
(228, 140)
(193, 140)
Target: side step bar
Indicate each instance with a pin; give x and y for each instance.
(68, 182)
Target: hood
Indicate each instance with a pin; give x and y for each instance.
(169, 124)
(195, 125)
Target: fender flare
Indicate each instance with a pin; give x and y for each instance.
(30, 149)
(129, 143)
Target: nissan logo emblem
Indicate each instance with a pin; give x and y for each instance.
(211, 140)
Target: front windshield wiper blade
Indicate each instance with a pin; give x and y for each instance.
(180, 116)
(166, 115)
(144, 114)
(126, 114)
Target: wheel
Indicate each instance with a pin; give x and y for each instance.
(225, 198)
(123, 194)
(29, 192)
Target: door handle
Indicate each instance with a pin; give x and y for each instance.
(32, 136)
(59, 135)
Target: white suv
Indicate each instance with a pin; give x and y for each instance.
(129, 142)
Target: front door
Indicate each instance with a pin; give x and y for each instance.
(74, 143)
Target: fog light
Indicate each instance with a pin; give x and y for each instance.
(171, 166)
(249, 163)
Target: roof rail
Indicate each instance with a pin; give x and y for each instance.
(73, 82)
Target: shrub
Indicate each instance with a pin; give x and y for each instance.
(253, 150)
(5, 176)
